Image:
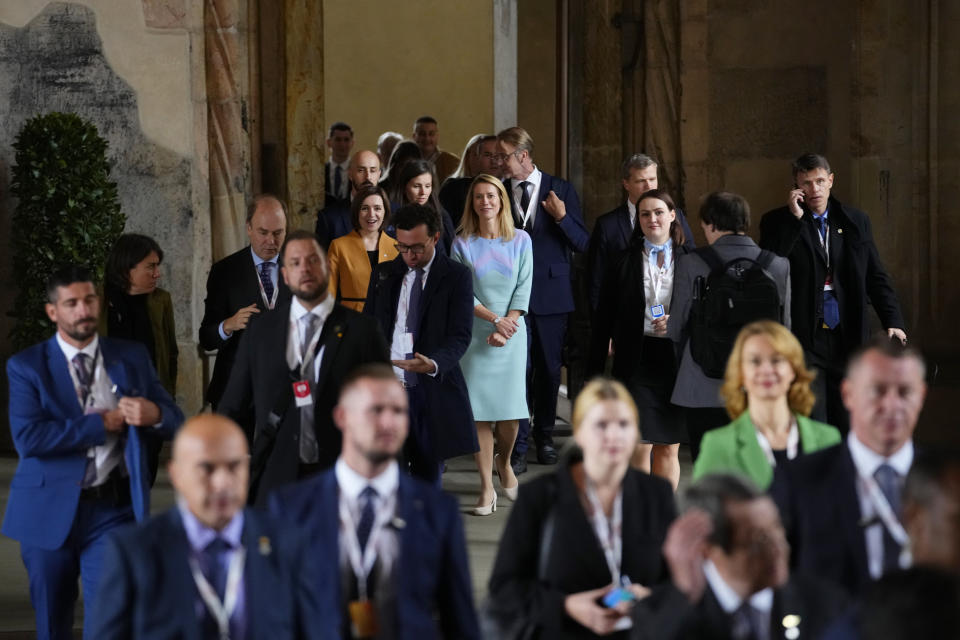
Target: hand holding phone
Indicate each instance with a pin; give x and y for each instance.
(794, 202)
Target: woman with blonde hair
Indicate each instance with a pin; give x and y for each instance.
(584, 542)
(766, 389)
(501, 260)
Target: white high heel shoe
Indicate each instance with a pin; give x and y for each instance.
(510, 492)
(485, 511)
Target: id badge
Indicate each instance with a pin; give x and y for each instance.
(301, 393)
(363, 619)
(656, 311)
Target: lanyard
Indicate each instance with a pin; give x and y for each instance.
(793, 439)
(608, 531)
(221, 612)
(824, 238)
(272, 301)
(657, 274)
(884, 510)
(305, 362)
(362, 562)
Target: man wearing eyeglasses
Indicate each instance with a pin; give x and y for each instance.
(423, 301)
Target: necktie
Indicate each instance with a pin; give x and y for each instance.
(831, 308)
(81, 366)
(413, 319)
(216, 565)
(309, 449)
(889, 481)
(338, 181)
(367, 515)
(822, 226)
(266, 281)
(524, 200)
(747, 623)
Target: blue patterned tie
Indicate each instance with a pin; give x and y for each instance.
(413, 317)
(265, 280)
(216, 569)
(81, 367)
(367, 515)
(889, 481)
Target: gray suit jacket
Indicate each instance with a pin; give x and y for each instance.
(693, 387)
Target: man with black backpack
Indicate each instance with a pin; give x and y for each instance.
(717, 290)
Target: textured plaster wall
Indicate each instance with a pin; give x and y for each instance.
(129, 72)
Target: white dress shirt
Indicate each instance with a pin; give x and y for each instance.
(104, 458)
(344, 180)
(529, 216)
(657, 288)
(295, 334)
(397, 351)
(867, 461)
(730, 600)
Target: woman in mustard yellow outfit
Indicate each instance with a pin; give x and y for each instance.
(353, 256)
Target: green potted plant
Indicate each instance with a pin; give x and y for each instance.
(67, 211)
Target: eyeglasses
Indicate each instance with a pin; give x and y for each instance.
(416, 249)
(502, 157)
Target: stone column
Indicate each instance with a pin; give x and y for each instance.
(229, 143)
(304, 111)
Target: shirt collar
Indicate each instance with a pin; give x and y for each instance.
(70, 351)
(426, 267)
(534, 178)
(825, 216)
(632, 211)
(729, 600)
(322, 310)
(866, 460)
(352, 483)
(257, 260)
(200, 535)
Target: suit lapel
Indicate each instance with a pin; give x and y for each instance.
(749, 452)
(623, 224)
(331, 336)
(63, 391)
(812, 235)
(848, 504)
(438, 271)
(787, 609)
(182, 588)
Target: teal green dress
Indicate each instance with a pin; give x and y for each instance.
(502, 277)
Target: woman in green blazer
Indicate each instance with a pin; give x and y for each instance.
(767, 391)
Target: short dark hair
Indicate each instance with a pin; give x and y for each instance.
(726, 211)
(252, 207)
(712, 494)
(339, 126)
(636, 161)
(676, 230)
(885, 346)
(64, 276)
(362, 194)
(128, 251)
(809, 162)
(424, 120)
(368, 371)
(299, 234)
(411, 216)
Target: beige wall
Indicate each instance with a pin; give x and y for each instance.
(537, 78)
(376, 88)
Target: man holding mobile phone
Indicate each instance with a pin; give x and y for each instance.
(835, 270)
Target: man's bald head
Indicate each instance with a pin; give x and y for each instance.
(210, 468)
(364, 168)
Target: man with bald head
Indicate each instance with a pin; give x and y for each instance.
(208, 567)
(242, 286)
(390, 545)
(333, 220)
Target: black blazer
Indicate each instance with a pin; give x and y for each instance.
(575, 561)
(817, 497)
(622, 305)
(859, 275)
(611, 235)
(333, 221)
(261, 383)
(233, 283)
(667, 614)
(445, 328)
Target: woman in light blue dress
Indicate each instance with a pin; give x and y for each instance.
(495, 365)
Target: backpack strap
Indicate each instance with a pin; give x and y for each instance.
(711, 257)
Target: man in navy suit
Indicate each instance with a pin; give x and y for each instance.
(842, 505)
(612, 231)
(207, 567)
(423, 302)
(242, 286)
(333, 221)
(340, 142)
(390, 549)
(77, 405)
(549, 210)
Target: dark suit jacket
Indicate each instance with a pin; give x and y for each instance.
(453, 197)
(575, 560)
(859, 275)
(52, 435)
(611, 235)
(445, 327)
(432, 576)
(817, 497)
(333, 221)
(329, 182)
(667, 614)
(622, 305)
(149, 592)
(553, 244)
(261, 383)
(233, 283)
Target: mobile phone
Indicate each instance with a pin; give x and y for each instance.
(615, 596)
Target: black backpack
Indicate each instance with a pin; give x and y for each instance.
(732, 295)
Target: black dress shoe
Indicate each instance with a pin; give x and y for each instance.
(546, 454)
(518, 464)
